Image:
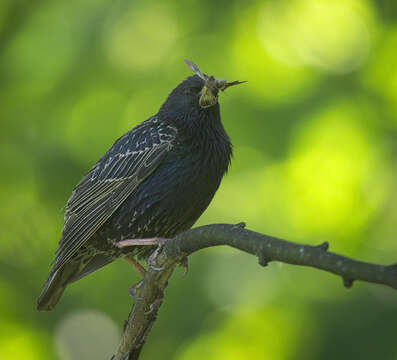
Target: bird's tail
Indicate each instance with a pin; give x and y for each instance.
(70, 272)
(55, 286)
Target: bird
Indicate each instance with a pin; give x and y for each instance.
(153, 183)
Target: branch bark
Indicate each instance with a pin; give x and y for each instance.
(266, 248)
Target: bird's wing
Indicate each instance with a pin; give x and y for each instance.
(107, 185)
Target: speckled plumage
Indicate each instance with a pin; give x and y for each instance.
(155, 181)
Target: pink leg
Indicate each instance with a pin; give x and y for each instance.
(135, 264)
(135, 242)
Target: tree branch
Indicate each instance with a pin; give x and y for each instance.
(266, 248)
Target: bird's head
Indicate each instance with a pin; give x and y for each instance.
(197, 93)
(210, 86)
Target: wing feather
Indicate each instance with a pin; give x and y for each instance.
(102, 191)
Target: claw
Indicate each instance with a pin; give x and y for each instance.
(156, 268)
(134, 289)
(152, 258)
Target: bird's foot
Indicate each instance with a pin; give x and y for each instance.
(185, 264)
(152, 258)
(141, 242)
(133, 290)
(156, 268)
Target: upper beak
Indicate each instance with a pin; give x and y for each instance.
(228, 84)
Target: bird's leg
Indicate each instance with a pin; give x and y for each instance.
(137, 242)
(134, 288)
(135, 264)
(143, 242)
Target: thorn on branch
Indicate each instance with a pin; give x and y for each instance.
(185, 264)
(263, 260)
(348, 283)
(240, 225)
(324, 246)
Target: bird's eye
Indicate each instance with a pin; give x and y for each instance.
(221, 83)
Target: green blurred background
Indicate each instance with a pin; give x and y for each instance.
(315, 142)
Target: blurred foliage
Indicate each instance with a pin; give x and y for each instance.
(314, 130)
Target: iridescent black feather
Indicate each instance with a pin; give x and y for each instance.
(155, 181)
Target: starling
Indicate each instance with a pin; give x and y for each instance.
(155, 181)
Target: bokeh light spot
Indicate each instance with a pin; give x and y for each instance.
(94, 117)
(132, 42)
(87, 335)
(250, 334)
(381, 74)
(40, 55)
(333, 159)
(21, 342)
(269, 79)
(326, 34)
